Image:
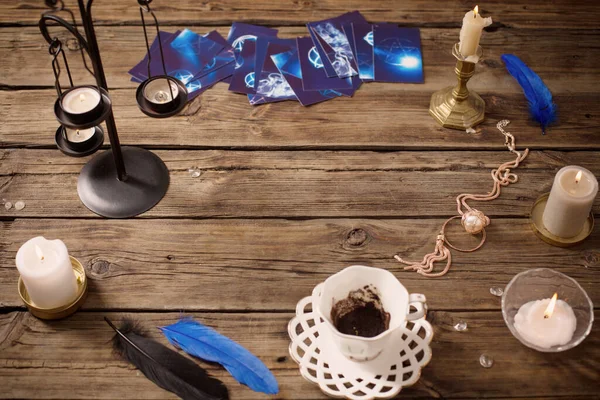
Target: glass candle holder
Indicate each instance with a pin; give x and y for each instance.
(542, 283)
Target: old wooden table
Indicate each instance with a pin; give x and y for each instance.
(289, 195)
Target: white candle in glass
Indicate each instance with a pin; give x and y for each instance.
(570, 202)
(80, 100)
(79, 135)
(47, 273)
(470, 33)
(546, 322)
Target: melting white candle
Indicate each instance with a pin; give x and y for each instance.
(79, 135)
(46, 271)
(546, 323)
(80, 100)
(570, 201)
(470, 33)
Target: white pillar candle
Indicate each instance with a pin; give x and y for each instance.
(47, 273)
(80, 100)
(470, 33)
(544, 331)
(79, 135)
(570, 201)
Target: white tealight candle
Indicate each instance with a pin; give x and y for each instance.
(570, 202)
(79, 135)
(157, 91)
(470, 33)
(47, 273)
(546, 322)
(80, 100)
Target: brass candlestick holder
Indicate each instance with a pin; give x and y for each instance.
(456, 107)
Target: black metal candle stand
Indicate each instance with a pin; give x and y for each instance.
(120, 182)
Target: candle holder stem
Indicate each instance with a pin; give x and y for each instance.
(456, 107)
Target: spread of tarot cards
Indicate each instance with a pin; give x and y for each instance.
(334, 60)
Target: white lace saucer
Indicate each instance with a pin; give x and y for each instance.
(320, 362)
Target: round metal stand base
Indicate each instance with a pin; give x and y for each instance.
(537, 224)
(146, 184)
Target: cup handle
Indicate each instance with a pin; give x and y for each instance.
(417, 301)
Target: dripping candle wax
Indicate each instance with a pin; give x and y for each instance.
(470, 33)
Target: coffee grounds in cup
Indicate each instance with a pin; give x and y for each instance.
(361, 313)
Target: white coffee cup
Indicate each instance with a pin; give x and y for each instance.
(394, 299)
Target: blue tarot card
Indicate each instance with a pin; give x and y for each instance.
(288, 64)
(271, 83)
(198, 86)
(397, 54)
(224, 57)
(242, 80)
(241, 33)
(334, 45)
(363, 48)
(314, 76)
(185, 56)
(363, 42)
(140, 70)
(262, 45)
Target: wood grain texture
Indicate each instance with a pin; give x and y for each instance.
(507, 13)
(290, 195)
(291, 192)
(49, 355)
(270, 264)
(381, 117)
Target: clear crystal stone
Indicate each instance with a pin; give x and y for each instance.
(497, 291)
(460, 326)
(194, 172)
(19, 205)
(8, 205)
(486, 361)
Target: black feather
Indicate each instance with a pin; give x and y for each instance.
(165, 367)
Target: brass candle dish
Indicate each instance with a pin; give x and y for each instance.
(536, 218)
(456, 107)
(66, 309)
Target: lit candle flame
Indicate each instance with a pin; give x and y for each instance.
(578, 176)
(82, 97)
(550, 308)
(475, 11)
(39, 252)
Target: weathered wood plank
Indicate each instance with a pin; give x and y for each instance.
(554, 58)
(38, 161)
(270, 264)
(382, 117)
(301, 192)
(72, 359)
(510, 13)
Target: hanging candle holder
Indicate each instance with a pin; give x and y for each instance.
(123, 181)
(80, 110)
(159, 96)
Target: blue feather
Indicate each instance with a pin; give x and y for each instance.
(206, 343)
(541, 106)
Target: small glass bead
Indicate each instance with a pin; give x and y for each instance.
(486, 361)
(460, 326)
(194, 172)
(8, 205)
(19, 205)
(497, 291)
